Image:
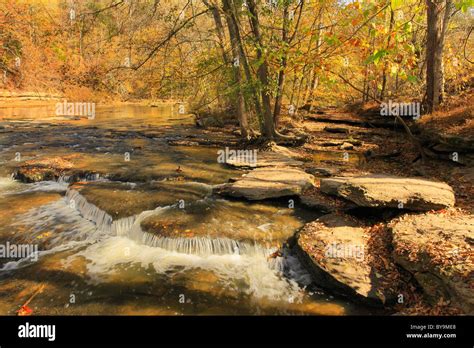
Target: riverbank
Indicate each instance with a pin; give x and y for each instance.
(413, 220)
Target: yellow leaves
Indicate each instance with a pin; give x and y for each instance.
(381, 29)
(410, 48)
(44, 235)
(394, 69)
(355, 5)
(395, 4)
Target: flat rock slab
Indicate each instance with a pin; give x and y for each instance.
(262, 159)
(270, 182)
(334, 247)
(437, 250)
(380, 191)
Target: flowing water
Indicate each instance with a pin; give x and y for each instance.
(143, 235)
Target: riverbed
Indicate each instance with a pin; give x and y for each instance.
(133, 227)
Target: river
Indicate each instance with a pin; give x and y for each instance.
(136, 229)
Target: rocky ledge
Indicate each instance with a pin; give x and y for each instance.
(268, 182)
(437, 250)
(335, 250)
(381, 191)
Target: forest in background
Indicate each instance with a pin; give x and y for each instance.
(251, 60)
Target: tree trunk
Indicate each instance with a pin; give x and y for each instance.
(315, 77)
(268, 130)
(283, 63)
(219, 29)
(245, 63)
(385, 65)
(240, 106)
(438, 13)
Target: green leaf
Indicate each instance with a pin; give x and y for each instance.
(464, 5)
(410, 48)
(376, 56)
(408, 27)
(331, 40)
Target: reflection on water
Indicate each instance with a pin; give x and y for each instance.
(143, 237)
(104, 115)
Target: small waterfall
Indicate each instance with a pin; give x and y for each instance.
(101, 224)
(251, 274)
(98, 216)
(204, 246)
(89, 211)
(68, 179)
(79, 225)
(55, 216)
(121, 227)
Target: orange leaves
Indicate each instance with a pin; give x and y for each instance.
(398, 58)
(355, 42)
(25, 311)
(411, 62)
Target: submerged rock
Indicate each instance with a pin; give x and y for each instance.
(335, 249)
(271, 182)
(380, 191)
(437, 250)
